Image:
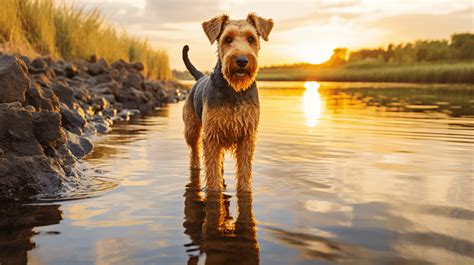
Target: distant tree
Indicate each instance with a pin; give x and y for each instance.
(388, 54)
(464, 45)
(433, 51)
(338, 57)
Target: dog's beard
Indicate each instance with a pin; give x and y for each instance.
(240, 79)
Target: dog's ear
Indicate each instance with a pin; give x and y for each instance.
(213, 27)
(263, 25)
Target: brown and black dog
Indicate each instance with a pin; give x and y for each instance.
(225, 105)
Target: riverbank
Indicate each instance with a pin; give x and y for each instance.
(452, 72)
(50, 110)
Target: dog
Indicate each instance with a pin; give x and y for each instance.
(224, 107)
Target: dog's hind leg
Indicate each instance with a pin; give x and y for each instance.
(192, 133)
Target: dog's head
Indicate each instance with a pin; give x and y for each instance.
(238, 43)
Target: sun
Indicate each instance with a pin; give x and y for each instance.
(314, 55)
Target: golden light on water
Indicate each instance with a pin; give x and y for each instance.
(312, 104)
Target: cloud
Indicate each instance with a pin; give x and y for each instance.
(408, 27)
(166, 11)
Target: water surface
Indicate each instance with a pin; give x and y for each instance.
(343, 173)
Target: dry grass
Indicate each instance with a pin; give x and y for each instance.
(38, 27)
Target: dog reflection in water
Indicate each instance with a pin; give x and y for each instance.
(214, 232)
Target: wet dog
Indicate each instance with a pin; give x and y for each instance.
(224, 107)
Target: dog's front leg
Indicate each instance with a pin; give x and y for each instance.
(213, 154)
(244, 156)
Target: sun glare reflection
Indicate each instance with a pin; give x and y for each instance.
(312, 104)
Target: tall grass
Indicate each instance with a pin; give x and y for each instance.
(39, 27)
(441, 72)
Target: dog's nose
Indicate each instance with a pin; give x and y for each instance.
(241, 61)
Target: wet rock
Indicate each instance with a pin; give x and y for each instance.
(47, 128)
(101, 124)
(24, 176)
(119, 64)
(102, 128)
(57, 68)
(30, 108)
(98, 68)
(110, 98)
(39, 63)
(13, 79)
(100, 103)
(115, 74)
(43, 80)
(79, 146)
(81, 94)
(41, 98)
(16, 131)
(104, 78)
(101, 89)
(72, 119)
(139, 66)
(25, 59)
(133, 80)
(64, 93)
(70, 70)
(110, 112)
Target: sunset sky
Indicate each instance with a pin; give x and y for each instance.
(304, 30)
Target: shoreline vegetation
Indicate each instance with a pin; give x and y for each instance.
(445, 72)
(39, 27)
(427, 61)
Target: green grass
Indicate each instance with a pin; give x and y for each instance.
(440, 72)
(39, 27)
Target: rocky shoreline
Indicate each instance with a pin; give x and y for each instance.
(50, 110)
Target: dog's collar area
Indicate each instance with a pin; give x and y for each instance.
(218, 80)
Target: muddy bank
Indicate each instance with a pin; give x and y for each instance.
(50, 110)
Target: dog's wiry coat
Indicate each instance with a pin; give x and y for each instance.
(224, 107)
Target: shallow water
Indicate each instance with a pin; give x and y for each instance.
(347, 173)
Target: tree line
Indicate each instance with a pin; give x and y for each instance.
(459, 47)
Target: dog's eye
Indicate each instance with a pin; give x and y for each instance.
(250, 40)
(228, 40)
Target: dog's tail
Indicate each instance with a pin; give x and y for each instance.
(194, 72)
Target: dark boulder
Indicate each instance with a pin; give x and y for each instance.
(100, 103)
(42, 98)
(119, 64)
(72, 119)
(42, 79)
(13, 79)
(24, 176)
(64, 93)
(98, 68)
(39, 63)
(81, 93)
(79, 146)
(70, 70)
(16, 131)
(138, 66)
(134, 80)
(47, 128)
